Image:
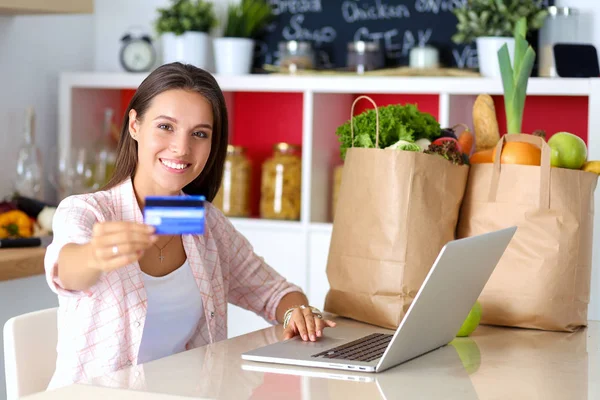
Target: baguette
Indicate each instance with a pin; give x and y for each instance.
(485, 123)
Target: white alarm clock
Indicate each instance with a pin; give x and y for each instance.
(137, 53)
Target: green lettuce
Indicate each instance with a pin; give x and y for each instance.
(397, 122)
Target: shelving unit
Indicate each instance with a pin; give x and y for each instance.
(23, 7)
(265, 109)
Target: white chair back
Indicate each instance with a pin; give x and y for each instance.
(29, 352)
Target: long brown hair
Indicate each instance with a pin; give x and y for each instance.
(186, 77)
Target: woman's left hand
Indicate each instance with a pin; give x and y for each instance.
(305, 323)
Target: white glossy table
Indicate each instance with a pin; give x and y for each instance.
(494, 363)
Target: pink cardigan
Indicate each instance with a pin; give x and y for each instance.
(100, 330)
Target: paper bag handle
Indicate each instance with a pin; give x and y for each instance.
(544, 166)
(376, 119)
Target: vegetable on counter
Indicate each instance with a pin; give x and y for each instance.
(7, 206)
(485, 123)
(397, 122)
(450, 151)
(15, 223)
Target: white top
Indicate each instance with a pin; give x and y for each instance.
(174, 311)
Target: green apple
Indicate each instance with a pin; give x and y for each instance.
(472, 321)
(568, 150)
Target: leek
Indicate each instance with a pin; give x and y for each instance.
(515, 76)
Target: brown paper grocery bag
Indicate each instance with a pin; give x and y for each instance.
(543, 279)
(395, 211)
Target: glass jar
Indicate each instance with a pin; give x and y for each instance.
(561, 26)
(364, 56)
(233, 197)
(280, 193)
(106, 153)
(295, 55)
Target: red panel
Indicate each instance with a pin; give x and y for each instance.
(550, 113)
(261, 120)
(425, 102)
(126, 96)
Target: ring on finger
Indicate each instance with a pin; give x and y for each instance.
(115, 250)
(318, 315)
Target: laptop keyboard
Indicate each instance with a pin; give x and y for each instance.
(366, 349)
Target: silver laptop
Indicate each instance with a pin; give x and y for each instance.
(449, 374)
(448, 293)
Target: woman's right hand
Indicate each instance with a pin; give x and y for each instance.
(115, 244)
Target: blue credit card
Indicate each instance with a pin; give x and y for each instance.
(175, 215)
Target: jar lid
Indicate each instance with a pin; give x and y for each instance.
(231, 149)
(362, 46)
(286, 147)
(562, 11)
(294, 45)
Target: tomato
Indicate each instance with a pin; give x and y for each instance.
(441, 140)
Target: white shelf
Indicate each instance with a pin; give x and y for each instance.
(347, 84)
(266, 224)
(24, 7)
(321, 227)
(299, 249)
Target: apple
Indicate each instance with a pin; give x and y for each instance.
(472, 321)
(568, 150)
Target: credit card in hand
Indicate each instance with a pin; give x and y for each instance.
(175, 215)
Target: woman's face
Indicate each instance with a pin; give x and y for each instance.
(174, 141)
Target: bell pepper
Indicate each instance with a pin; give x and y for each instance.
(15, 223)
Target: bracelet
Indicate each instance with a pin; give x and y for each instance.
(288, 314)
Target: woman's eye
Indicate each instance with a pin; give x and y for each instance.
(164, 126)
(201, 134)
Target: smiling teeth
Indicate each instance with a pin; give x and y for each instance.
(173, 165)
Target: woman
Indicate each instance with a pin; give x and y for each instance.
(128, 296)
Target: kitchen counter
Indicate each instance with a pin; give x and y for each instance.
(21, 263)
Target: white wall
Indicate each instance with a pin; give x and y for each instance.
(589, 17)
(33, 51)
(114, 18)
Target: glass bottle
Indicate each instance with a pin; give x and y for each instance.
(233, 198)
(106, 155)
(281, 183)
(29, 180)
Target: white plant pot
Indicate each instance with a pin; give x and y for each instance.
(487, 53)
(189, 48)
(233, 56)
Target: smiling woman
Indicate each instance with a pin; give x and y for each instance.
(128, 296)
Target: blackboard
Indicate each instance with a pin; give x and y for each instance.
(398, 25)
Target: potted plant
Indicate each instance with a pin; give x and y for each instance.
(234, 51)
(491, 24)
(184, 28)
